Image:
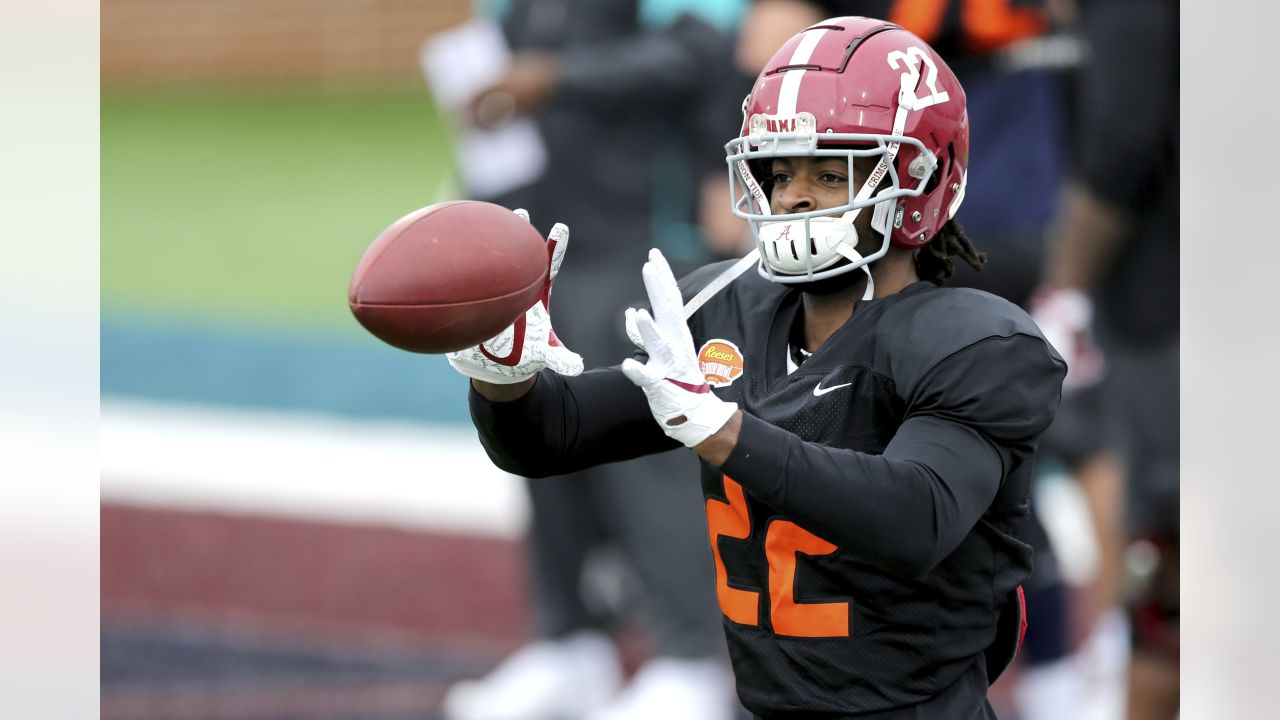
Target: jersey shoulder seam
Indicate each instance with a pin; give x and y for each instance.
(957, 351)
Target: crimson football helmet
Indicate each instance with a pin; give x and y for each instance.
(851, 87)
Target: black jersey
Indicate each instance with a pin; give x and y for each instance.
(864, 529)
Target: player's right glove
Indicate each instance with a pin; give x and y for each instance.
(529, 344)
(679, 397)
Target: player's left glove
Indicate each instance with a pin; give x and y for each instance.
(529, 344)
(679, 396)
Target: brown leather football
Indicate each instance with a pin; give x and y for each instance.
(448, 276)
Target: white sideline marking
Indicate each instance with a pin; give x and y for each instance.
(415, 476)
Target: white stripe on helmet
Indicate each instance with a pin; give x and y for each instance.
(791, 80)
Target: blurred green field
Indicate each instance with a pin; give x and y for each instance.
(253, 205)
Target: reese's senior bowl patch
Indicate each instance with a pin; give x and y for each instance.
(721, 362)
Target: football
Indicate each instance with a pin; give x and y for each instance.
(448, 276)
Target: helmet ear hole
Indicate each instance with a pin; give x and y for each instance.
(932, 184)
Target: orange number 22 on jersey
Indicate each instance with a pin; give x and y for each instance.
(783, 542)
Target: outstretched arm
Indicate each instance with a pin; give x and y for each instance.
(536, 412)
(562, 424)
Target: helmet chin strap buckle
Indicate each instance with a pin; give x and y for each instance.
(880, 213)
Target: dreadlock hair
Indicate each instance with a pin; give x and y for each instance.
(936, 261)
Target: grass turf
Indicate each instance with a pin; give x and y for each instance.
(252, 206)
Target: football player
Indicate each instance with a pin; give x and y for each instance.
(866, 435)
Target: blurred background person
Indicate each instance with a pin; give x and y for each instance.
(1109, 302)
(626, 98)
(296, 519)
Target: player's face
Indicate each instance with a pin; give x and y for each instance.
(805, 184)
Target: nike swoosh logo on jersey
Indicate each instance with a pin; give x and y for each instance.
(819, 391)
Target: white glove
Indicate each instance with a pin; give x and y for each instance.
(679, 396)
(1065, 316)
(633, 332)
(529, 344)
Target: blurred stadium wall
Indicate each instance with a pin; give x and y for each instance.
(297, 521)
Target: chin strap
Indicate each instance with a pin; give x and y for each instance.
(881, 211)
(853, 256)
(721, 280)
(733, 271)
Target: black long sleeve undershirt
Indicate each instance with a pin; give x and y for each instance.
(904, 510)
(568, 424)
